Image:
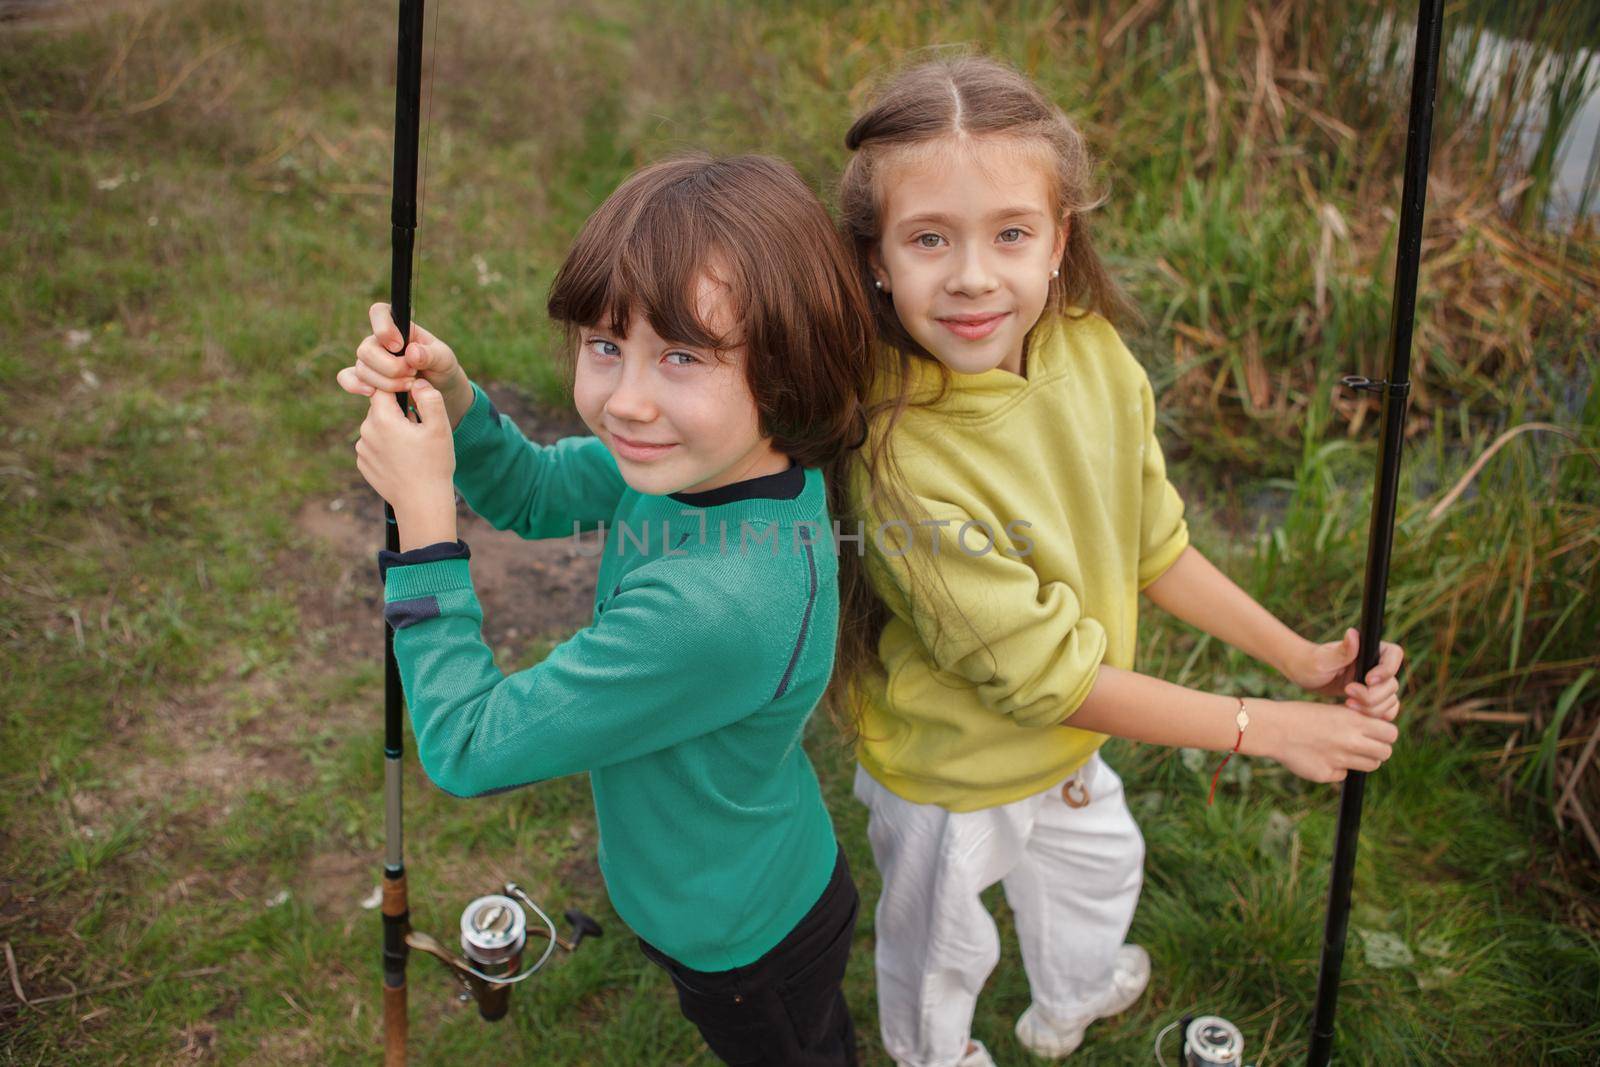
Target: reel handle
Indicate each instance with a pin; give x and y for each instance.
(582, 925)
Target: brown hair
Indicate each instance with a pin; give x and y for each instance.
(753, 224)
(945, 99)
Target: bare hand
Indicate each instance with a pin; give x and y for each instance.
(410, 461)
(1330, 670)
(379, 369)
(1324, 742)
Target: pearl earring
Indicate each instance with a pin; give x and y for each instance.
(879, 283)
(1056, 273)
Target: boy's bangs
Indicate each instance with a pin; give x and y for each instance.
(652, 262)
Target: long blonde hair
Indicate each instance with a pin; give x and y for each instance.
(951, 97)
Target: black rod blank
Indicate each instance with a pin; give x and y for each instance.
(1396, 388)
(403, 216)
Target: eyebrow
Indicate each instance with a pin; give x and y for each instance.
(941, 219)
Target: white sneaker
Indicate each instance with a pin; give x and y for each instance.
(1051, 1039)
(977, 1056)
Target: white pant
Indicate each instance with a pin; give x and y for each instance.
(1072, 877)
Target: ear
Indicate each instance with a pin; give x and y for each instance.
(1062, 233)
(880, 273)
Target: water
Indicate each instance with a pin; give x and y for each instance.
(1552, 136)
(1574, 78)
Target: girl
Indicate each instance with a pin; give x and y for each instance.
(721, 349)
(1015, 503)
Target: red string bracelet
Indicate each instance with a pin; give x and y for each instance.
(1241, 720)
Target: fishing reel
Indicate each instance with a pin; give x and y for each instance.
(1208, 1041)
(494, 932)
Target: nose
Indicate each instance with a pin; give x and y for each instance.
(972, 275)
(632, 401)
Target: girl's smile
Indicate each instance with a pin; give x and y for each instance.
(972, 327)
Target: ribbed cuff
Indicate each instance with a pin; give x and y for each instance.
(424, 579)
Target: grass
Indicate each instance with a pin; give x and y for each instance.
(195, 202)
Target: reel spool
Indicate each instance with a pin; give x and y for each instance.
(1212, 1041)
(1208, 1041)
(494, 931)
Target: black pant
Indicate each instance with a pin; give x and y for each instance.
(786, 1009)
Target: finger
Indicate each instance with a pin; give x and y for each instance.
(349, 380)
(430, 403)
(383, 382)
(1340, 653)
(419, 357)
(383, 327)
(1367, 697)
(373, 355)
(1390, 656)
(384, 370)
(1386, 708)
(425, 391)
(1375, 750)
(382, 410)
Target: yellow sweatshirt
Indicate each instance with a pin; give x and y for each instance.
(1062, 469)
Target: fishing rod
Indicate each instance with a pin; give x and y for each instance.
(494, 927)
(1211, 1041)
(403, 219)
(1395, 388)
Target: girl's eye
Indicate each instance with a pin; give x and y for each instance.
(928, 240)
(1011, 236)
(602, 347)
(689, 358)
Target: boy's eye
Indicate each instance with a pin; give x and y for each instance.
(1011, 236)
(928, 240)
(688, 358)
(601, 347)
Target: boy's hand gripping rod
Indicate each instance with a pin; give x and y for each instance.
(493, 928)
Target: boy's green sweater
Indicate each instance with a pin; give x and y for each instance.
(685, 698)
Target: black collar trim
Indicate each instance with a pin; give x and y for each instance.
(785, 485)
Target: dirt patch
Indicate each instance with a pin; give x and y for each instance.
(220, 738)
(529, 589)
(337, 884)
(230, 734)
